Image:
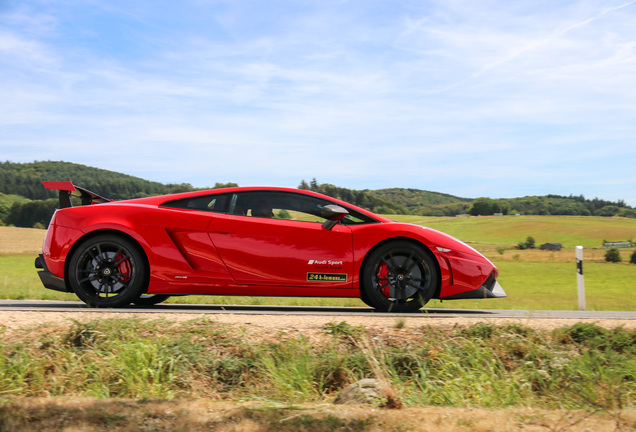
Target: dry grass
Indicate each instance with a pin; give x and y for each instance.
(18, 241)
(84, 414)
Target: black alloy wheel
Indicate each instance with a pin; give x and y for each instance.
(399, 276)
(108, 271)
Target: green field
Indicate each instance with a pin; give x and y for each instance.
(533, 279)
(571, 231)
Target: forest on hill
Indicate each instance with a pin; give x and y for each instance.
(25, 203)
(433, 204)
(25, 179)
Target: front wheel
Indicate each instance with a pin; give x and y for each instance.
(399, 276)
(108, 271)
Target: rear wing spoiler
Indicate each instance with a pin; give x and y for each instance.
(68, 189)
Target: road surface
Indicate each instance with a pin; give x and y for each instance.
(77, 306)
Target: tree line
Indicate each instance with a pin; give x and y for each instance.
(551, 205)
(364, 199)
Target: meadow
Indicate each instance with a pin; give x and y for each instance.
(533, 279)
(571, 231)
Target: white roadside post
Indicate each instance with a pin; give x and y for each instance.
(579, 277)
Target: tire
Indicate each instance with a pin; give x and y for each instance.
(108, 271)
(399, 276)
(150, 299)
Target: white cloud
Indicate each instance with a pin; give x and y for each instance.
(489, 98)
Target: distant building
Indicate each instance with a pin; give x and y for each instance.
(624, 244)
(551, 246)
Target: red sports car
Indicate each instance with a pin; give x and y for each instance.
(252, 241)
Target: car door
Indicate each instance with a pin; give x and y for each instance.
(185, 222)
(277, 238)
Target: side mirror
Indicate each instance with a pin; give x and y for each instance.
(333, 213)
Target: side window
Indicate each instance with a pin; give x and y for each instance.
(218, 203)
(288, 206)
(280, 205)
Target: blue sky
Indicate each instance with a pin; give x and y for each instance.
(472, 98)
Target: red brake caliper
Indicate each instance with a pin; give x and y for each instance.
(123, 267)
(383, 282)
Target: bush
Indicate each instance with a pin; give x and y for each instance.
(528, 244)
(283, 214)
(633, 258)
(584, 333)
(613, 255)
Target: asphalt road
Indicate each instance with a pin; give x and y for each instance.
(77, 306)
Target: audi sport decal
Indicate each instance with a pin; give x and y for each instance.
(324, 266)
(326, 277)
(325, 262)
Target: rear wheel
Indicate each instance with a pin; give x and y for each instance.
(108, 271)
(399, 277)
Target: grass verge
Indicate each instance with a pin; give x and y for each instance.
(478, 366)
(134, 374)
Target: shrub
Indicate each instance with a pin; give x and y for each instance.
(479, 331)
(528, 244)
(343, 328)
(633, 258)
(283, 214)
(584, 333)
(613, 255)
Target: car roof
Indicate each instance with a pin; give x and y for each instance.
(160, 199)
